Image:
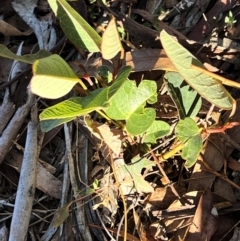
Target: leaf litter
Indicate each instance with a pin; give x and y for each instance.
(100, 181)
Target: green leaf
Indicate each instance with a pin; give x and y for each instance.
(52, 77)
(79, 32)
(186, 129)
(137, 123)
(186, 99)
(131, 98)
(47, 125)
(78, 106)
(157, 130)
(28, 58)
(191, 150)
(111, 43)
(209, 88)
(73, 107)
(128, 104)
(190, 134)
(122, 76)
(95, 184)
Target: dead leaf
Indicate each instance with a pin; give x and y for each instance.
(157, 231)
(107, 197)
(213, 154)
(111, 137)
(142, 232)
(45, 182)
(62, 215)
(224, 190)
(205, 222)
(162, 197)
(233, 164)
(130, 177)
(9, 30)
(203, 27)
(129, 236)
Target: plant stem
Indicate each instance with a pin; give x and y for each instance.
(171, 153)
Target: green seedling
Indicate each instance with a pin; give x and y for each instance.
(230, 20)
(120, 100)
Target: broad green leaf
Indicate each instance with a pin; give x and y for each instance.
(191, 150)
(47, 125)
(78, 106)
(209, 88)
(190, 134)
(111, 43)
(28, 58)
(137, 123)
(80, 33)
(128, 104)
(133, 176)
(122, 76)
(157, 130)
(52, 77)
(186, 129)
(186, 99)
(73, 107)
(131, 98)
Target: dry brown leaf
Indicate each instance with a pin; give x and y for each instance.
(9, 30)
(162, 197)
(214, 156)
(111, 137)
(203, 27)
(46, 182)
(139, 60)
(142, 232)
(205, 222)
(157, 231)
(130, 177)
(233, 164)
(107, 196)
(224, 190)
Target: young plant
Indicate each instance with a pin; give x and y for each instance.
(119, 99)
(230, 20)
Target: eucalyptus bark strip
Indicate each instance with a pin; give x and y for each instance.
(11, 131)
(79, 211)
(27, 183)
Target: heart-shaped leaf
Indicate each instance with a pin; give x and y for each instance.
(137, 123)
(190, 134)
(157, 130)
(128, 104)
(186, 129)
(131, 98)
(191, 150)
(209, 88)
